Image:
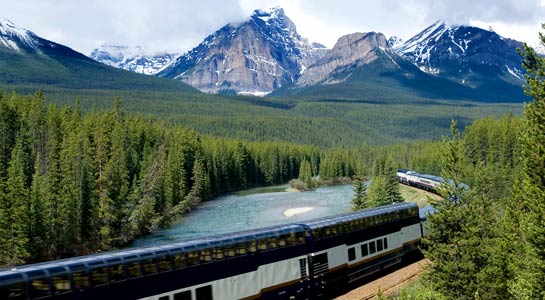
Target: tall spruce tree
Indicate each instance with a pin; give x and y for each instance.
(529, 190)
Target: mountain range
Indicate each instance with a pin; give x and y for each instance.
(266, 54)
(29, 60)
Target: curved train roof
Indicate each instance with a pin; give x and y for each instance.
(366, 213)
(127, 255)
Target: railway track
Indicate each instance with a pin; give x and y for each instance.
(388, 283)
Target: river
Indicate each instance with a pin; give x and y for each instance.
(253, 209)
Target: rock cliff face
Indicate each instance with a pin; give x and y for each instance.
(255, 57)
(353, 50)
(464, 54)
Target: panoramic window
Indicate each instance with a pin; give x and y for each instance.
(379, 245)
(186, 295)
(351, 254)
(372, 248)
(204, 293)
(364, 250)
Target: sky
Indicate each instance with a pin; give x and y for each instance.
(179, 25)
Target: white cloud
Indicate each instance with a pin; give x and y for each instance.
(178, 26)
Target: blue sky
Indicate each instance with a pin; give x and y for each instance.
(177, 26)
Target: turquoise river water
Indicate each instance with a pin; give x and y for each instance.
(253, 209)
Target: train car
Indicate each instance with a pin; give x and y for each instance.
(349, 247)
(294, 261)
(422, 181)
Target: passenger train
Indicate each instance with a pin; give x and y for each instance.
(422, 181)
(294, 261)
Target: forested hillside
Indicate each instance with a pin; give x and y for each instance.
(74, 182)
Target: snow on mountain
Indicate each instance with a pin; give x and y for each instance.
(459, 52)
(15, 38)
(253, 57)
(131, 58)
(394, 41)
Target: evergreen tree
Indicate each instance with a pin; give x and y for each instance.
(360, 193)
(16, 206)
(530, 188)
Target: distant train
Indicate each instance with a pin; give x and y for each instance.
(295, 261)
(421, 181)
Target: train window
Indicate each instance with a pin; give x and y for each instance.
(385, 243)
(15, 289)
(81, 280)
(301, 237)
(133, 270)
(149, 267)
(99, 276)
(179, 261)
(273, 243)
(282, 241)
(379, 245)
(262, 246)
(364, 250)
(252, 247)
(217, 253)
(61, 284)
(204, 293)
(241, 249)
(193, 258)
(351, 254)
(165, 263)
(291, 239)
(372, 248)
(186, 295)
(230, 251)
(39, 288)
(164, 298)
(206, 256)
(117, 273)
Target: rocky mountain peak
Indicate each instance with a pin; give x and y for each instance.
(351, 50)
(134, 59)
(14, 38)
(253, 57)
(459, 51)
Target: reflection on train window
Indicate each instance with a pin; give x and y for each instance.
(241, 249)
(13, 291)
(217, 253)
(372, 248)
(206, 256)
(379, 245)
(133, 270)
(385, 243)
(164, 263)
(193, 258)
(230, 251)
(183, 295)
(179, 260)
(252, 247)
(273, 243)
(39, 288)
(204, 293)
(262, 245)
(99, 276)
(61, 284)
(164, 298)
(351, 254)
(149, 266)
(81, 280)
(282, 241)
(117, 273)
(364, 250)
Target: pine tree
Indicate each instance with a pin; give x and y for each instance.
(16, 205)
(530, 188)
(360, 193)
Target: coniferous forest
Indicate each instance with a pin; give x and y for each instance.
(74, 182)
